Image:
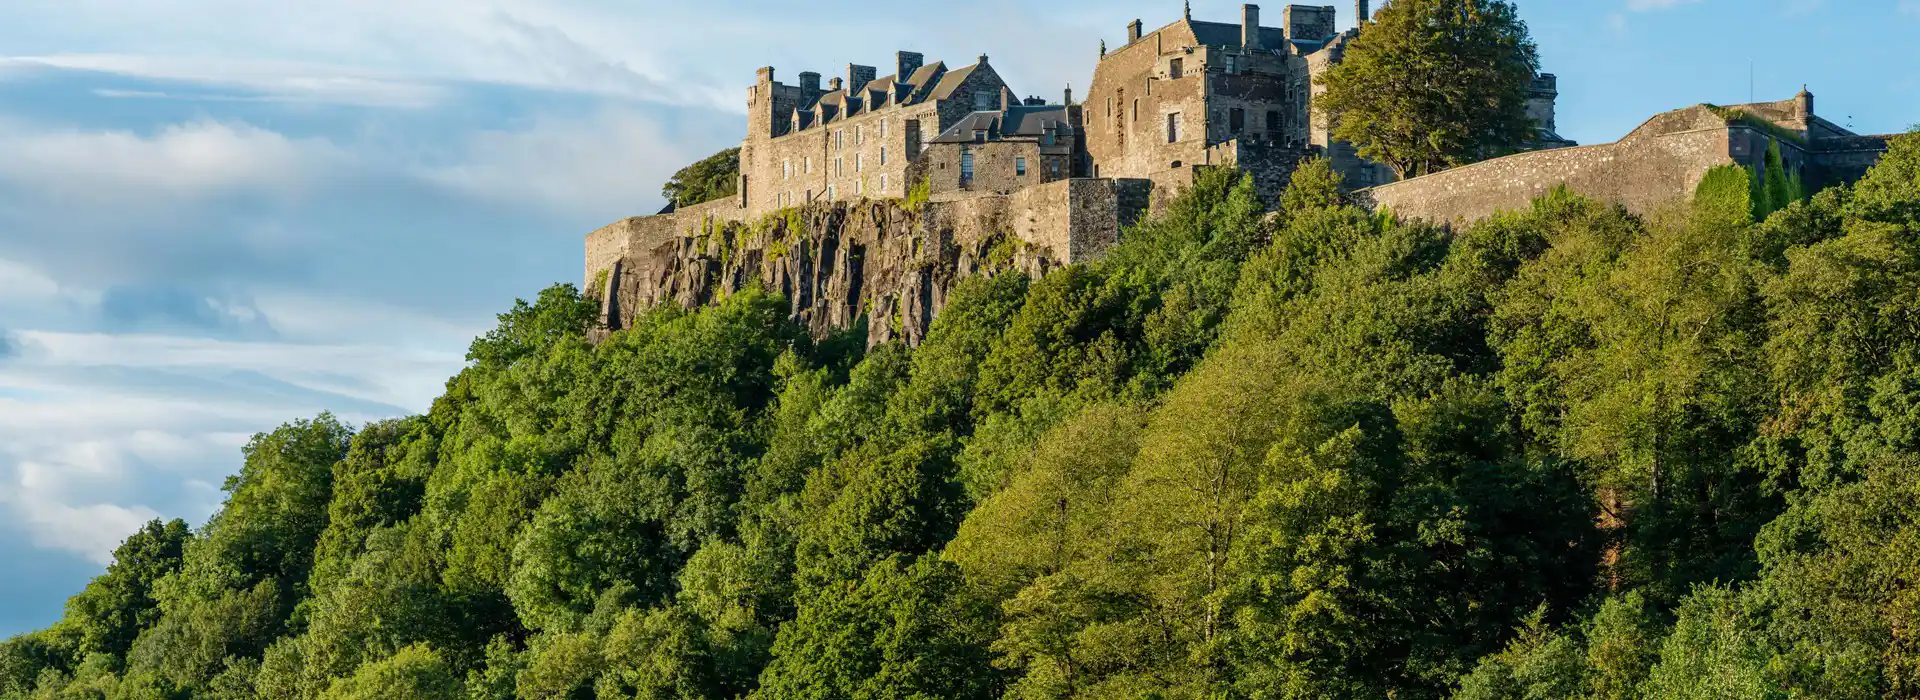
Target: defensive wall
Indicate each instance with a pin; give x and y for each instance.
(1662, 161)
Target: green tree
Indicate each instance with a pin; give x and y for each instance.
(1434, 84)
(117, 605)
(413, 672)
(712, 178)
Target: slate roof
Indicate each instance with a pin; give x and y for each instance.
(1025, 121)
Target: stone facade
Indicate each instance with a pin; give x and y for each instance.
(1169, 99)
(1660, 162)
(828, 213)
(855, 139)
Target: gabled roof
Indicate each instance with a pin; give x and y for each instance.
(1016, 122)
(951, 82)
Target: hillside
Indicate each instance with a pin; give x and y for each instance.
(1566, 452)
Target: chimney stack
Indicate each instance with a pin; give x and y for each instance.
(1068, 98)
(833, 84)
(1133, 32)
(859, 76)
(905, 63)
(1250, 27)
(1362, 12)
(1007, 100)
(810, 81)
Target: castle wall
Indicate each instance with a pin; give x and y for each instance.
(1640, 173)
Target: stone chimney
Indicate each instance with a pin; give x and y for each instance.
(833, 84)
(1250, 27)
(810, 81)
(1036, 101)
(1133, 32)
(1007, 100)
(1067, 99)
(859, 76)
(1362, 12)
(905, 63)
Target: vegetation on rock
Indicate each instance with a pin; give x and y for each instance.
(1562, 453)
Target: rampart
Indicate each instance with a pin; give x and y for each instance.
(1660, 162)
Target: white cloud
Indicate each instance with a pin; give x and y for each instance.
(191, 160)
(284, 81)
(612, 161)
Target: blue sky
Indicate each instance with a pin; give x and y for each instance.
(219, 215)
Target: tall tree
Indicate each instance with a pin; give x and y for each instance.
(1434, 84)
(710, 179)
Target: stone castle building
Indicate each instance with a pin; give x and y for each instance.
(892, 188)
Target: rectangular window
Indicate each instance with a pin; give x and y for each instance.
(883, 183)
(1173, 127)
(1020, 166)
(883, 129)
(809, 169)
(1273, 121)
(839, 167)
(786, 170)
(1109, 107)
(1136, 109)
(829, 193)
(982, 101)
(979, 135)
(966, 167)
(1232, 65)
(1236, 120)
(859, 163)
(859, 187)
(1175, 68)
(840, 139)
(858, 137)
(883, 156)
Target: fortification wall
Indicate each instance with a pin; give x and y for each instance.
(1654, 166)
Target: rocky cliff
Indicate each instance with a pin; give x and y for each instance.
(837, 264)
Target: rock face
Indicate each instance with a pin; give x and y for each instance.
(837, 264)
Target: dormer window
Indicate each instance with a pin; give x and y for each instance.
(979, 135)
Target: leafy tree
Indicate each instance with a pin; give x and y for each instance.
(413, 672)
(117, 605)
(1434, 84)
(710, 179)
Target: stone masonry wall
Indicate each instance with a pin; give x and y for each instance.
(1651, 167)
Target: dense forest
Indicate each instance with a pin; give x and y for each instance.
(1320, 453)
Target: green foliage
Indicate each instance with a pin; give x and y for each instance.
(1434, 84)
(715, 177)
(413, 672)
(1567, 452)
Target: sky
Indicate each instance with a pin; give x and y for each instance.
(217, 216)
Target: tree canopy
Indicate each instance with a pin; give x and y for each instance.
(712, 178)
(1567, 452)
(1434, 84)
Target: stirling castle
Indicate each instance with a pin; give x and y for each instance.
(864, 199)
